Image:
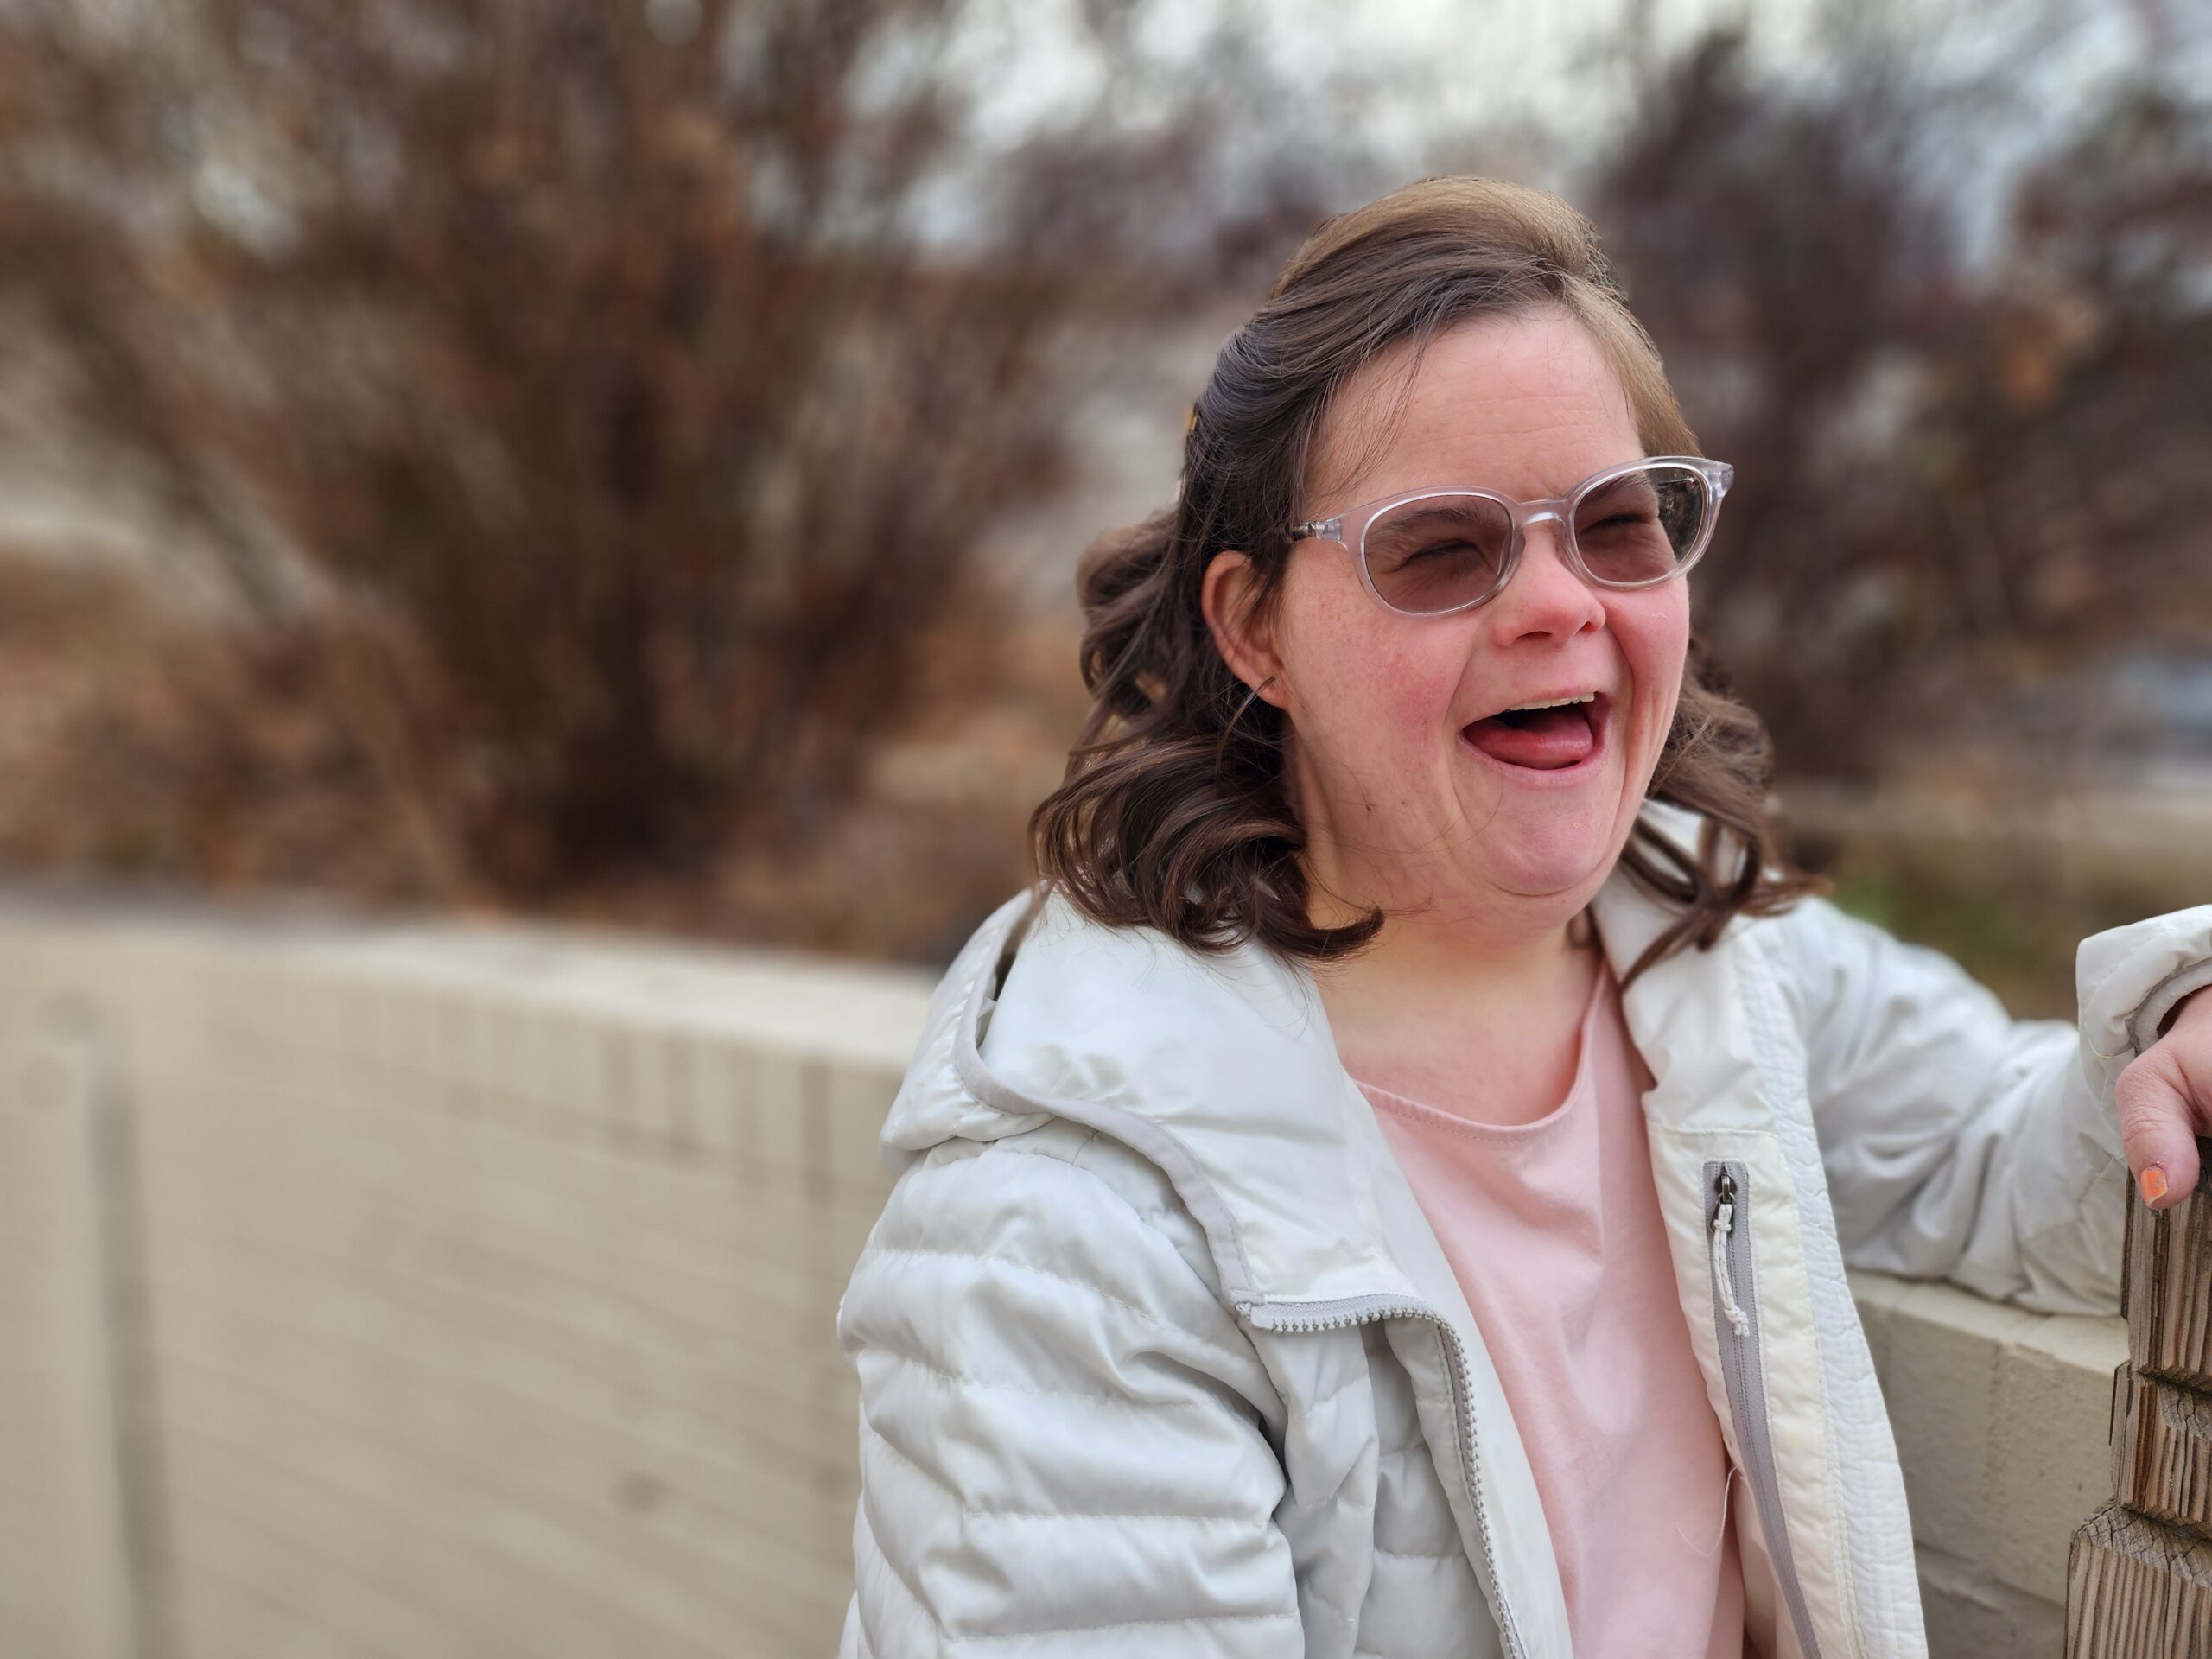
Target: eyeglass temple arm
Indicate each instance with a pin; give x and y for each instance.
(1328, 529)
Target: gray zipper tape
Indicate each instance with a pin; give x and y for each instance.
(1746, 1380)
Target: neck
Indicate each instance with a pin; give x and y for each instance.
(1456, 950)
(1430, 989)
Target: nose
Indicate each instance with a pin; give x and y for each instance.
(1544, 595)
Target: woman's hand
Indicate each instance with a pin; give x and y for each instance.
(2164, 1098)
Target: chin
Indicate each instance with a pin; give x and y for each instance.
(1534, 848)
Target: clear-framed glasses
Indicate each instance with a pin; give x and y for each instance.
(1429, 552)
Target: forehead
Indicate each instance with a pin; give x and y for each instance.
(1527, 405)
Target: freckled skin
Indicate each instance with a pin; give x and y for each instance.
(1398, 809)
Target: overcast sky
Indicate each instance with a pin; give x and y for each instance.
(1465, 66)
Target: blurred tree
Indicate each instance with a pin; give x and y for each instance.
(1951, 481)
(582, 401)
(2075, 412)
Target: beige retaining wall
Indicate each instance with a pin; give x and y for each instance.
(419, 1291)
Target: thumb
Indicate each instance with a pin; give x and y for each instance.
(2158, 1127)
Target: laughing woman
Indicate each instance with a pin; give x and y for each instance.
(1385, 1188)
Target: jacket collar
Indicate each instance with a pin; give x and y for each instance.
(1223, 1071)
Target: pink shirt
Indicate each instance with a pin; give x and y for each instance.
(1553, 1229)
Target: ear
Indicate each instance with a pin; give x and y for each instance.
(1226, 595)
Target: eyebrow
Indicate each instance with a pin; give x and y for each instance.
(1555, 495)
(1415, 517)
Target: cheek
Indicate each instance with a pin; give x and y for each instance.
(1655, 639)
(1364, 688)
(1413, 689)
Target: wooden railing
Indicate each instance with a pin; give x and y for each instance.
(2140, 1572)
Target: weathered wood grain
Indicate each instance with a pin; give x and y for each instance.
(2162, 1451)
(2166, 1285)
(2137, 1589)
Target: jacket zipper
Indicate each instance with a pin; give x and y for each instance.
(1736, 1323)
(1359, 1310)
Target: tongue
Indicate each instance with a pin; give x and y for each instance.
(1546, 739)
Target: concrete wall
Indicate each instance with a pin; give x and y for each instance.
(470, 1291)
(2000, 1419)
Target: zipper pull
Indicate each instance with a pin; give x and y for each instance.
(1724, 1223)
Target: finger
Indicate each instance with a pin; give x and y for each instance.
(2158, 1128)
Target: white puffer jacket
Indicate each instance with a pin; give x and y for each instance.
(1157, 1354)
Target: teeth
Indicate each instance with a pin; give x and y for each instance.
(1556, 702)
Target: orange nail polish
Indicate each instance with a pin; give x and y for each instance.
(2153, 1182)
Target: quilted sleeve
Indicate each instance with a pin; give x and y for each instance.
(1960, 1142)
(1065, 1443)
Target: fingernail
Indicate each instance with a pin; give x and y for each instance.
(2153, 1180)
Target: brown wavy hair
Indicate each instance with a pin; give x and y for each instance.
(1175, 811)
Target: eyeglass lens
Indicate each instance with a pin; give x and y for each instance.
(1442, 552)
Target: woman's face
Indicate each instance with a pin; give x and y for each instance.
(1401, 803)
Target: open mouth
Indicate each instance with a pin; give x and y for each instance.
(1566, 737)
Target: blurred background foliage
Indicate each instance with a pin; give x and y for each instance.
(629, 461)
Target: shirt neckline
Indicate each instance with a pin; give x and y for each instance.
(1404, 1106)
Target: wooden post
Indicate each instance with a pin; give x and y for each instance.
(2138, 1575)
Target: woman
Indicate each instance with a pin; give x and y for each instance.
(1386, 1190)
